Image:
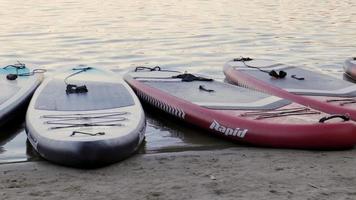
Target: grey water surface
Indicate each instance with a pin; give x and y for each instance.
(191, 35)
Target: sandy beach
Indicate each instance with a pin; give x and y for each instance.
(233, 173)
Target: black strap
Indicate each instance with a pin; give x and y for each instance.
(242, 59)
(202, 87)
(186, 77)
(76, 89)
(278, 75)
(298, 78)
(326, 118)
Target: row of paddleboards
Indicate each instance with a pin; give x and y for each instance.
(87, 116)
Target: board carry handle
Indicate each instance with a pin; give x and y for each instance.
(326, 118)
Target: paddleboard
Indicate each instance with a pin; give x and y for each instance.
(85, 117)
(17, 84)
(304, 86)
(350, 67)
(238, 113)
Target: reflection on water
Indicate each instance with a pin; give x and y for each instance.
(13, 143)
(196, 35)
(165, 133)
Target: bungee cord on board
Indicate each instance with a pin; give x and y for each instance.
(279, 113)
(85, 120)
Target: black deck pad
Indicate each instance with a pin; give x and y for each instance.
(222, 94)
(312, 81)
(99, 96)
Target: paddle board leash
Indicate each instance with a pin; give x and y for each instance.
(156, 68)
(278, 75)
(185, 77)
(72, 88)
(18, 66)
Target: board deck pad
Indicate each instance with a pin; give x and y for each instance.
(7, 91)
(236, 97)
(312, 81)
(54, 97)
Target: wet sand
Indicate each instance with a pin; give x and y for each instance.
(233, 173)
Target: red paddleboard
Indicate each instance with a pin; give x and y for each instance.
(306, 87)
(238, 113)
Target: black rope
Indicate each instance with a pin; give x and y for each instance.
(72, 88)
(278, 75)
(156, 68)
(87, 133)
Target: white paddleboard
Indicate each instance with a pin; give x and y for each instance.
(17, 84)
(82, 128)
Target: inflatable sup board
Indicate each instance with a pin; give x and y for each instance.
(350, 67)
(306, 87)
(85, 117)
(238, 113)
(17, 84)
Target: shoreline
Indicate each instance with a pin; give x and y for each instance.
(233, 173)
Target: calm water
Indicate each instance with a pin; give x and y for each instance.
(198, 36)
